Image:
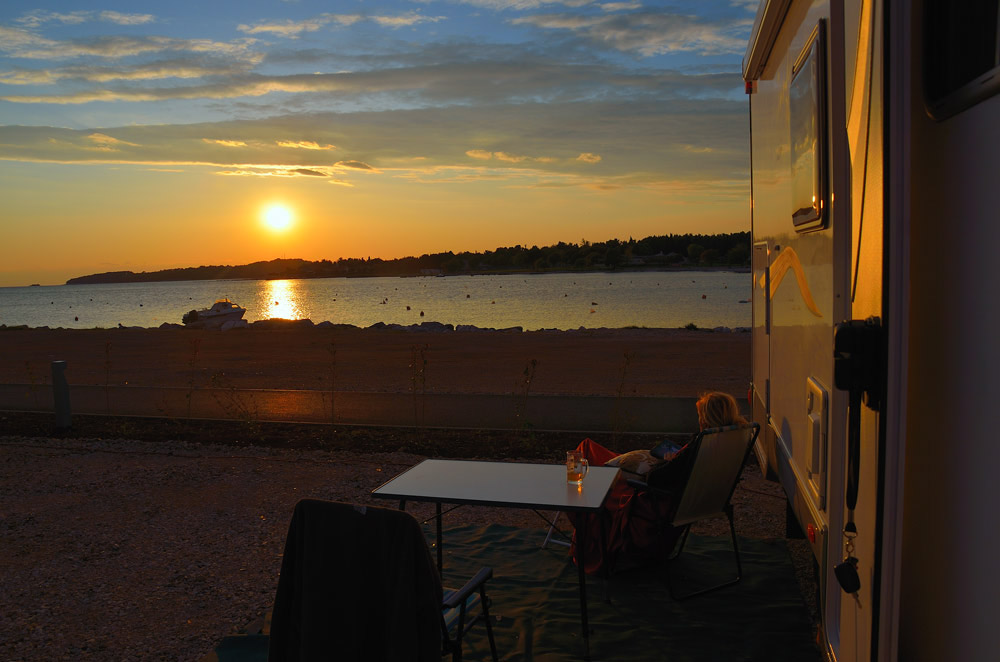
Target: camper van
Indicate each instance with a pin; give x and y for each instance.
(875, 160)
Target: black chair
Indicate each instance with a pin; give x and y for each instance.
(716, 463)
(359, 583)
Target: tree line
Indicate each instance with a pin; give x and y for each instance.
(654, 252)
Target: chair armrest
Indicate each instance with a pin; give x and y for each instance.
(461, 595)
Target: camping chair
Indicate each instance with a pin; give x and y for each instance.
(719, 456)
(359, 583)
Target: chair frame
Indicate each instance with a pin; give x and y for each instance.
(458, 599)
(727, 510)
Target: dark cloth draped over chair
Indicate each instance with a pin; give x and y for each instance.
(630, 527)
(642, 520)
(357, 583)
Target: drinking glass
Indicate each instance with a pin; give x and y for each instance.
(577, 467)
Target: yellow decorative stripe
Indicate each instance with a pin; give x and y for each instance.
(789, 259)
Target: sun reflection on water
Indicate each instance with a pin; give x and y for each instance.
(281, 299)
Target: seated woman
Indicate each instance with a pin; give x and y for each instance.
(628, 522)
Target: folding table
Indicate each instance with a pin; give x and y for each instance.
(509, 485)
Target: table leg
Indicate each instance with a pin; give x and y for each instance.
(581, 546)
(439, 549)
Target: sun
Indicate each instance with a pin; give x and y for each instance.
(277, 217)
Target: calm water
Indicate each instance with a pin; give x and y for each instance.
(550, 301)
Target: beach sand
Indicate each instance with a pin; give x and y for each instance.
(117, 548)
(627, 362)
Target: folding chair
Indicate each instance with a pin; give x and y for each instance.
(359, 583)
(716, 466)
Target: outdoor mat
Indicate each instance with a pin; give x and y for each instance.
(535, 596)
(536, 605)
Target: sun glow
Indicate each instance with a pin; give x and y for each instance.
(277, 217)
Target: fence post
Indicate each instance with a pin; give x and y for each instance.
(60, 395)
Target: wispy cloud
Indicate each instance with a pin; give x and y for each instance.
(39, 17)
(303, 144)
(224, 143)
(290, 29)
(536, 141)
(650, 32)
(159, 70)
(20, 43)
(110, 141)
(405, 20)
(294, 29)
(502, 5)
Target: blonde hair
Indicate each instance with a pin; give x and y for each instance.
(716, 410)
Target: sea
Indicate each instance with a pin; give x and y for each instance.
(661, 299)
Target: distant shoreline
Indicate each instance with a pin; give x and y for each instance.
(117, 278)
(418, 327)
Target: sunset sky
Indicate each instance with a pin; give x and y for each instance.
(142, 135)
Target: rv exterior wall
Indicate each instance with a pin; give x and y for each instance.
(950, 538)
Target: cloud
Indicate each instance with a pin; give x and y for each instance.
(620, 6)
(224, 143)
(650, 32)
(19, 43)
(294, 29)
(176, 68)
(507, 157)
(104, 139)
(354, 165)
(126, 19)
(527, 144)
(502, 5)
(289, 29)
(303, 144)
(405, 20)
(39, 17)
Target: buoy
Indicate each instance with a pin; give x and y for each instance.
(592, 310)
(703, 296)
(467, 296)
(76, 319)
(421, 313)
(407, 307)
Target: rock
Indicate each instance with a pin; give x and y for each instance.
(435, 327)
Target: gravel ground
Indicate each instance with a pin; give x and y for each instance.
(155, 550)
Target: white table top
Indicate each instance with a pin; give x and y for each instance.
(509, 484)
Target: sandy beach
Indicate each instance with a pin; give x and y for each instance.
(641, 362)
(156, 549)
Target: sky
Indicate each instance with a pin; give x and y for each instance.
(150, 135)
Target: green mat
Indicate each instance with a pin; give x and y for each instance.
(536, 605)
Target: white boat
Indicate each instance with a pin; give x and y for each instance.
(222, 311)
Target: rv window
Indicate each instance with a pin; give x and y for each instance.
(961, 54)
(807, 118)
